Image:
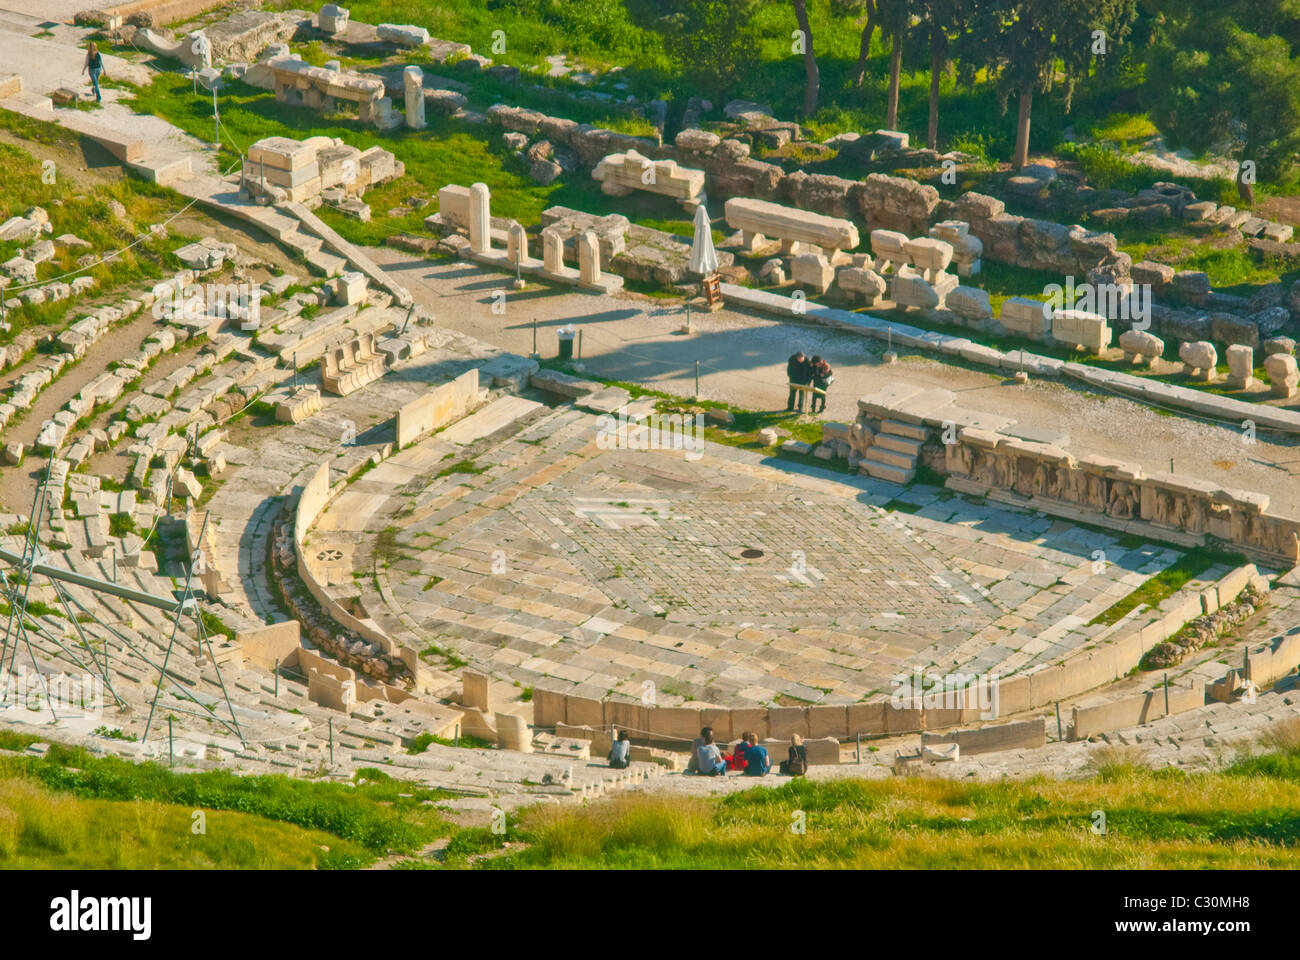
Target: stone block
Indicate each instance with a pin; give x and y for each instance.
(1140, 345)
(760, 218)
(812, 270)
(861, 282)
(1241, 366)
(910, 289)
(828, 720)
(971, 304)
(1026, 317)
(1199, 360)
(1282, 374)
(404, 35)
(1081, 328)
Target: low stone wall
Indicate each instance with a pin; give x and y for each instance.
(1088, 488)
(315, 496)
(1024, 735)
(1131, 711)
(438, 407)
(1112, 659)
(1273, 661)
(267, 646)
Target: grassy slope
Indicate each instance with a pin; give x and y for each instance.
(73, 209)
(449, 151)
(66, 808)
(1247, 817)
(70, 809)
(41, 829)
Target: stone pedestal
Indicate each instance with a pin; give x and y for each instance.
(1241, 366)
(1282, 374)
(516, 244)
(552, 251)
(513, 733)
(413, 80)
(589, 258)
(480, 221)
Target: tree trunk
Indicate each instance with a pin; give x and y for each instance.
(864, 50)
(812, 86)
(1021, 156)
(1245, 190)
(895, 68)
(936, 68)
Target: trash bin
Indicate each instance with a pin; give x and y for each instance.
(566, 335)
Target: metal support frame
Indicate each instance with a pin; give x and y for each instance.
(31, 563)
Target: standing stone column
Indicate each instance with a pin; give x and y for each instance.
(552, 251)
(480, 220)
(589, 258)
(516, 244)
(413, 78)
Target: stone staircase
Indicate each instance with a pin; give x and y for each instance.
(223, 194)
(895, 452)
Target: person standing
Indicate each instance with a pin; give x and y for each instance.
(822, 378)
(798, 371)
(95, 64)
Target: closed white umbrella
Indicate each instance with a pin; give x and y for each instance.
(704, 260)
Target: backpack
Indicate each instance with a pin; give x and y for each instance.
(797, 765)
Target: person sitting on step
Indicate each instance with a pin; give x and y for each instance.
(757, 763)
(620, 753)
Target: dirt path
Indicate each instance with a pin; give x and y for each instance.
(742, 358)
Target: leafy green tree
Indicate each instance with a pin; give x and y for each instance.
(712, 41)
(1227, 78)
(1023, 41)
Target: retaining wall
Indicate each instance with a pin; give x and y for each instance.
(438, 407)
(1110, 660)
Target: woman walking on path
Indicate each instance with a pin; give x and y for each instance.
(95, 64)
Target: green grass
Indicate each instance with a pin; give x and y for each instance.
(448, 151)
(1167, 582)
(460, 466)
(42, 829)
(454, 661)
(1246, 817)
(375, 816)
(73, 209)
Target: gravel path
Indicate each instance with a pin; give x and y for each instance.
(742, 359)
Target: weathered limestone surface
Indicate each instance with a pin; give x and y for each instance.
(1282, 374)
(1081, 328)
(622, 173)
(1199, 360)
(759, 218)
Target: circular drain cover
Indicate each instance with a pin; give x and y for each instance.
(751, 554)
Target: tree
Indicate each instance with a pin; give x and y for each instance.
(1228, 80)
(712, 41)
(812, 85)
(871, 10)
(895, 16)
(1022, 40)
(940, 21)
